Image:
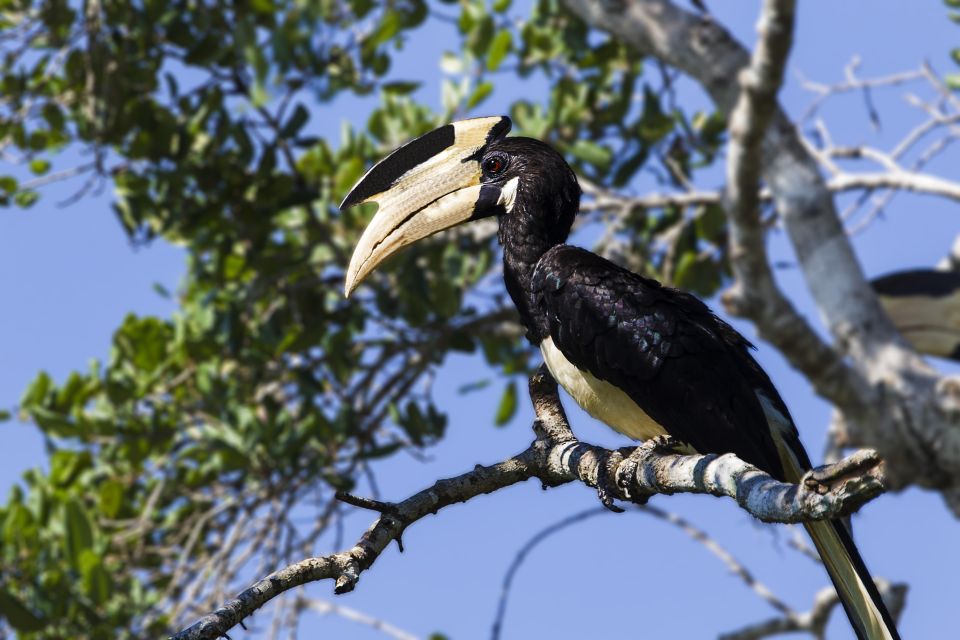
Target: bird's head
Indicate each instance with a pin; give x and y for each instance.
(463, 171)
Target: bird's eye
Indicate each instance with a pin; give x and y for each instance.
(494, 165)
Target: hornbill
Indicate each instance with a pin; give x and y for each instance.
(645, 359)
(924, 304)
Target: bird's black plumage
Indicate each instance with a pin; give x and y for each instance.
(688, 369)
(644, 358)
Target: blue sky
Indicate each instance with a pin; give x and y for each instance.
(68, 276)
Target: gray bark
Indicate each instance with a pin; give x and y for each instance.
(892, 400)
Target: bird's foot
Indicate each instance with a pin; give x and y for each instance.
(637, 457)
(663, 444)
(608, 463)
(864, 465)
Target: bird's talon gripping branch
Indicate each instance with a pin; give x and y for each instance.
(864, 466)
(609, 461)
(663, 444)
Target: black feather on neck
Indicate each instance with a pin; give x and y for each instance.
(546, 202)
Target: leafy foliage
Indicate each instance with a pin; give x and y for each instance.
(175, 459)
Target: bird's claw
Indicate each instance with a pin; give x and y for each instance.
(663, 444)
(604, 494)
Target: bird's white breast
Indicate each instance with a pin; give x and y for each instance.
(599, 398)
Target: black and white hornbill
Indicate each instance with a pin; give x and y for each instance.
(924, 304)
(645, 359)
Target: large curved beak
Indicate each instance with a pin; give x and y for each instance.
(427, 185)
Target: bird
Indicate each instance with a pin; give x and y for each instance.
(645, 359)
(924, 305)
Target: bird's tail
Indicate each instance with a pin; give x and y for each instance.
(858, 593)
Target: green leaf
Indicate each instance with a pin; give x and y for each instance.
(39, 166)
(629, 167)
(66, 465)
(953, 81)
(481, 93)
(710, 222)
(955, 54)
(37, 392)
(592, 153)
(508, 405)
(479, 36)
(697, 273)
(111, 498)
(387, 28)
(78, 531)
(654, 123)
(400, 88)
(94, 577)
(26, 199)
(499, 48)
(17, 614)
(296, 122)
(4, 415)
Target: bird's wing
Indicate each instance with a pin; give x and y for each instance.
(693, 374)
(687, 369)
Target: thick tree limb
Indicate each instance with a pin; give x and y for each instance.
(890, 397)
(755, 293)
(556, 457)
(707, 52)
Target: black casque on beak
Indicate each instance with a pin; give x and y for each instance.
(427, 185)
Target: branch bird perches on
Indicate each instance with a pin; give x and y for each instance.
(556, 457)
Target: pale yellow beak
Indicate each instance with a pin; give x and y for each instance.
(427, 185)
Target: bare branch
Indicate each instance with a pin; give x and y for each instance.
(843, 182)
(815, 620)
(890, 397)
(522, 554)
(755, 294)
(324, 607)
(631, 474)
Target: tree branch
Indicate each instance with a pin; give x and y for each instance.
(842, 182)
(815, 620)
(755, 294)
(556, 457)
(703, 49)
(890, 397)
